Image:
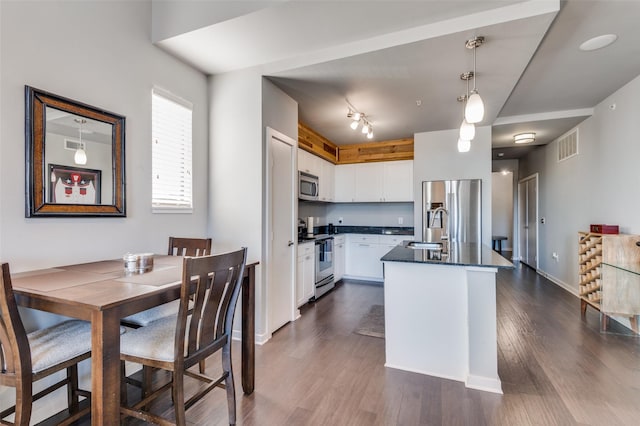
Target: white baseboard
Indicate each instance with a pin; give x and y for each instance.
(356, 277)
(482, 383)
(571, 289)
(261, 339)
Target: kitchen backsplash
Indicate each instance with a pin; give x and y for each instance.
(358, 214)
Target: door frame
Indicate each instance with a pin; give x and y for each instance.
(520, 236)
(268, 221)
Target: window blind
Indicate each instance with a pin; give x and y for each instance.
(171, 153)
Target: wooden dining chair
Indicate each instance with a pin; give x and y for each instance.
(177, 247)
(27, 358)
(175, 344)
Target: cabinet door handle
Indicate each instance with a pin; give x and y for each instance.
(290, 243)
(363, 245)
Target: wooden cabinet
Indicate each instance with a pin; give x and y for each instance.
(305, 273)
(607, 274)
(339, 251)
(387, 181)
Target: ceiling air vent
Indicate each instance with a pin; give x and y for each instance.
(71, 145)
(568, 146)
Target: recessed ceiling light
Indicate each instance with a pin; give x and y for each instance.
(598, 42)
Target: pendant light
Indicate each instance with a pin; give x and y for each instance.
(464, 145)
(474, 111)
(80, 157)
(467, 130)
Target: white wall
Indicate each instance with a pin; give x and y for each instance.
(436, 157)
(97, 53)
(600, 185)
(370, 214)
(502, 207)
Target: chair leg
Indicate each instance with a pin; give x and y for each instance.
(202, 366)
(124, 400)
(177, 392)
(227, 368)
(72, 388)
(24, 401)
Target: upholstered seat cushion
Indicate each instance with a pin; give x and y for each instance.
(154, 341)
(144, 318)
(59, 343)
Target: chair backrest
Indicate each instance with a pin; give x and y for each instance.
(15, 353)
(213, 284)
(189, 246)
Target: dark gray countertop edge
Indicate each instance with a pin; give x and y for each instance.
(489, 258)
(381, 230)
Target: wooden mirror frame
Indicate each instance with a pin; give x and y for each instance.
(36, 102)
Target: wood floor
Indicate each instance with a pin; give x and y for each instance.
(556, 369)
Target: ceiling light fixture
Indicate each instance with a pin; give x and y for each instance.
(80, 157)
(467, 130)
(598, 42)
(360, 118)
(474, 110)
(524, 137)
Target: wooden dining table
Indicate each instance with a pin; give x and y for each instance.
(101, 292)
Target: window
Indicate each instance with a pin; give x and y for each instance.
(171, 154)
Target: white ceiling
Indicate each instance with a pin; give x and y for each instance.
(383, 56)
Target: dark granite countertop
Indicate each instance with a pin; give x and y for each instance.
(381, 230)
(459, 254)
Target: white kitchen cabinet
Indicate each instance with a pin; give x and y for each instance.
(369, 182)
(326, 179)
(362, 260)
(305, 273)
(398, 180)
(386, 181)
(308, 162)
(339, 252)
(345, 183)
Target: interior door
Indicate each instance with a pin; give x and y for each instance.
(528, 220)
(281, 230)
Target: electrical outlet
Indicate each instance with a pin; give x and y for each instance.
(400, 220)
(542, 220)
(555, 256)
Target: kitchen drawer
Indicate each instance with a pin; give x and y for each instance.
(394, 239)
(339, 239)
(364, 238)
(306, 248)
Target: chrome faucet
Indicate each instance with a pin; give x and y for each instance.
(434, 213)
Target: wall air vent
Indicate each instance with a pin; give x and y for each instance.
(568, 145)
(71, 144)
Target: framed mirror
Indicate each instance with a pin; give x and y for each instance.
(75, 158)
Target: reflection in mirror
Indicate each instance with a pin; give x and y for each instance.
(75, 158)
(79, 143)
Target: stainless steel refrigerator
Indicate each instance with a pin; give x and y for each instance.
(452, 210)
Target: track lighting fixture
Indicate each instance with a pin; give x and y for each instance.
(360, 118)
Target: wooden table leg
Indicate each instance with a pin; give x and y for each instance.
(105, 368)
(248, 330)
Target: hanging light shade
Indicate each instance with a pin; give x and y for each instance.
(474, 110)
(354, 124)
(80, 157)
(467, 130)
(356, 116)
(464, 145)
(365, 128)
(370, 134)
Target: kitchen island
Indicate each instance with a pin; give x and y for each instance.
(440, 312)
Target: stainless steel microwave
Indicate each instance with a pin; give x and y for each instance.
(307, 186)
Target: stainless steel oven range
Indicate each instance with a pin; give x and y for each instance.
(324, 265)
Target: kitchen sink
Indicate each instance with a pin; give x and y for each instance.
(425, 245)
